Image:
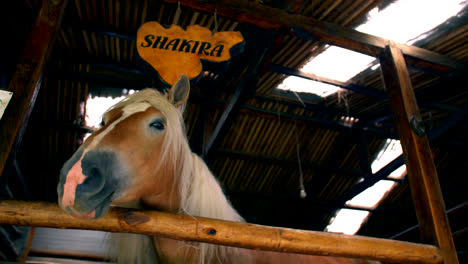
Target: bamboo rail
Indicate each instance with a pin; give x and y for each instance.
(227, 233)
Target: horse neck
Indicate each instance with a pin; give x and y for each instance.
(201, 194)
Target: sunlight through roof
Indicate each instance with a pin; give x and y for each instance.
(304, 86)
(348, 221)
(398, 22)
(96, 106)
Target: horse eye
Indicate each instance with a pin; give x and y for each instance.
(102, 123)
(157, 124)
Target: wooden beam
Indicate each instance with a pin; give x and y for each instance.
(227, 118)
(454, 210)
(379, 94)
(424, 182)
(383, 173)
(236, 234)
(285, 162)
(258, 50)
(27, 80)
(357, 88)
(266, 17)
(307, 203)
(363, 153)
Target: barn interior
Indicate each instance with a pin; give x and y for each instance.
(291, 141)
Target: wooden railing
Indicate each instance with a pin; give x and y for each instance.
(221, 232)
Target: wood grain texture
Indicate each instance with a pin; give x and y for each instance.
(424, 182)
(27, 79)
(235, 234)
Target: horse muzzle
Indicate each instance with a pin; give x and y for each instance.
(89, 182)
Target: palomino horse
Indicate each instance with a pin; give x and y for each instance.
(141, 158)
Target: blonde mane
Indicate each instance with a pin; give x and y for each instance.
(200, 192)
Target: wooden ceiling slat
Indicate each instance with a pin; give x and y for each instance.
(97, 47)
(194, 18)
(263, 85)
(344, 17)
(361, 12)
(291, 44)
(328, 8)
(117, 13)
(233, 26)
(259, 137)
(117, 48)
(248, 136)
(106, 46)
(144, 11)
(293, 58)
(203, 19)
(78, 9)
(86, 40)
(102, 13)
(93, 8)
(132, 44)
(72, 38)
(286, 142)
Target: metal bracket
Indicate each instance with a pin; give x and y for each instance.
(418, 126)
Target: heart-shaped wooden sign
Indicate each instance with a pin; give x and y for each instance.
(173, 51)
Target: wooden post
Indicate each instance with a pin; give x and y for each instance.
(427, 196)
(27, 79)
(236, 234)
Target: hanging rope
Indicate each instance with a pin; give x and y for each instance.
(302, 192)
(343, 95)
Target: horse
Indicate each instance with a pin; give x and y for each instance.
(140, 158)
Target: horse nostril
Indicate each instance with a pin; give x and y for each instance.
(98, 168)
(94, 179)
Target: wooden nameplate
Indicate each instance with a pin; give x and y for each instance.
(173, 51)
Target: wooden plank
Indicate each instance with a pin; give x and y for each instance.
(427, 196)
(266, 17)
(227, 233)
(26, 81)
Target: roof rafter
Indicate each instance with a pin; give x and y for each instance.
(309, 28)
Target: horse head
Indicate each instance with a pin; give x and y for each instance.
(126, 160)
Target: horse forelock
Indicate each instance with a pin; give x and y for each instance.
(175, 131)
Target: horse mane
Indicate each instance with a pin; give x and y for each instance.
(200, 192)
(202, 196)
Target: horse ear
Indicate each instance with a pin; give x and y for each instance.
(179, 92)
